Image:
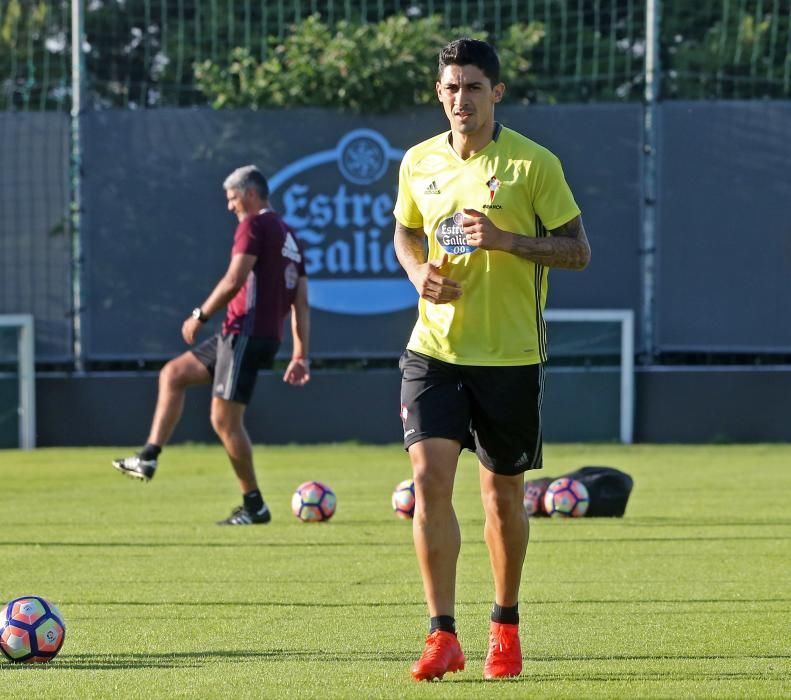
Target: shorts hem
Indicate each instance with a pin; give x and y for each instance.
(513, 471)
(420, 437)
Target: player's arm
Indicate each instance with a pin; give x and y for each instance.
(298, 370)
(430, 283)
(230, 283)
(566, 246)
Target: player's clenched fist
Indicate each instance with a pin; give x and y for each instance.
(432, 285)
(482, 233)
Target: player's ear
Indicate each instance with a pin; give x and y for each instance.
(439, 91)
(498, 91)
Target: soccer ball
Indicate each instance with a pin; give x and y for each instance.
(566, 498)
(31, 630)
(313, 502)
(403, 499)
(534, 495)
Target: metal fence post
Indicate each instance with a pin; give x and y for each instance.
(653, 75)
(75, 177)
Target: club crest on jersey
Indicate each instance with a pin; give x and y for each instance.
(450, 235)
(493, 184)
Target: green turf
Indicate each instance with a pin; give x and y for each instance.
(686, 596)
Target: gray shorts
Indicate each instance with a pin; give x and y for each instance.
(233, 362)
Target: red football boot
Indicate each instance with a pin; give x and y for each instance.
(442, 654)
(504, 659)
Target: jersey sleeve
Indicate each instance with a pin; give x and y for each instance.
(245, 240)
(552, 198)
(406, 210)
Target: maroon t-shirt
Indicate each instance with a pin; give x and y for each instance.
(261, 305)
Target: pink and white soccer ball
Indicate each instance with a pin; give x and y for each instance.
(403, 499)
(566, 498)
(31, 630)
(534, 495)
(313, 502)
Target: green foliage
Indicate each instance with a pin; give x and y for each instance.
(142, 53)
(741, 54)
(10, 21)
(515, 49)
(375, 67)
(22, 30)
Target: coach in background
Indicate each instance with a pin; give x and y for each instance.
(497, 213)
(265, 279)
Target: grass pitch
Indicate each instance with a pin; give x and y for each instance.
(687, 596)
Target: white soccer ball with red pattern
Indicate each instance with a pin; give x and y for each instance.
(566, 498)
(31, 630)
(403, 499)
(534, 496)
(313, 502)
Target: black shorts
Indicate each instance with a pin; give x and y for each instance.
(233, 362)
(492, 411)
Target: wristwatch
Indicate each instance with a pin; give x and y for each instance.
(197, 313)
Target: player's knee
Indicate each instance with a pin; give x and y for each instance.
(503, 503)
(219, 422)
(224, 423)
(432, 486)
(171, 376)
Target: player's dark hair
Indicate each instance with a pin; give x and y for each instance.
(248, 177)
(465, 52)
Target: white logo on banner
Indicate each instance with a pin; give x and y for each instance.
(340, 205)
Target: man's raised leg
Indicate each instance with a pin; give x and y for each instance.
(175, 378)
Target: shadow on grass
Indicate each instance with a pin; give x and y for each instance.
(620, 676)
(201, 545)
(674, 521)
(247, 604)
(356, 544)
(419, 603)
(659, 657)
(197, 659)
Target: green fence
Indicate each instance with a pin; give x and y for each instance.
(143, 53)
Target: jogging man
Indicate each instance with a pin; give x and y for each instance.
(265, 279)
(496, 212)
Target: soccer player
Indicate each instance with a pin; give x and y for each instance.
(265, 279)
(496, 212)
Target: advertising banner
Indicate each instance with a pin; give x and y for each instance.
(158, 233)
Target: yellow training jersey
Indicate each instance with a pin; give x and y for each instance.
(520, 186)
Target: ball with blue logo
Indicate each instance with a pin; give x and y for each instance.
(31, 630)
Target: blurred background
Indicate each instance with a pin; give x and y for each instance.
(119, 120)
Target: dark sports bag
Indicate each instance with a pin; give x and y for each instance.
(608, 488)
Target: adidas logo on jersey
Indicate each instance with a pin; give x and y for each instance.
(432, 188)
(291, 249)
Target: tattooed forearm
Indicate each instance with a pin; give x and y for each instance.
(566, 246)
(410, 246)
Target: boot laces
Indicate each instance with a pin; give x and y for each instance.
(434, 648)
(500, 640)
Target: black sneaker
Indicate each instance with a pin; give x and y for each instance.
(137, 468)
(242, 516)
